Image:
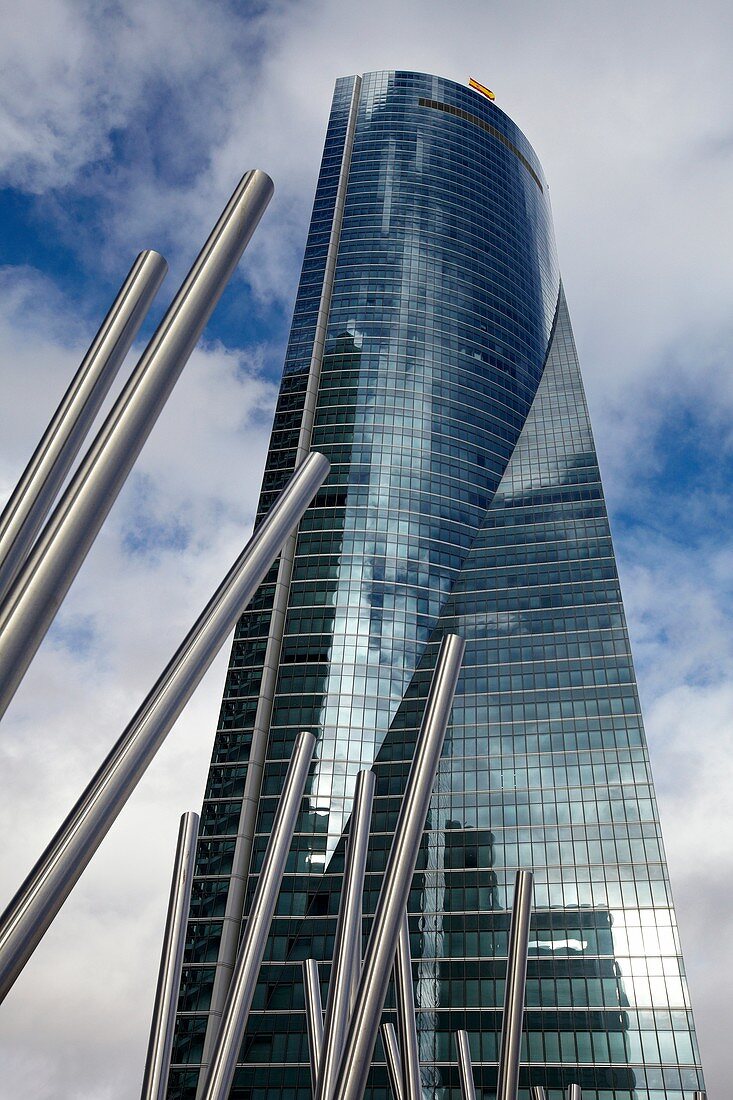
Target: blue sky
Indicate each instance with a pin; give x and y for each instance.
(125, 126)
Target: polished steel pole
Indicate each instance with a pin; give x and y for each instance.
(313, 1017)
(406, 1021)
(52, 459)
(393, 1060)
(160, 1044)
(516, 976)
(355, 971)
(356, 957)
(220, 1073)
(697, 1095)
(574, 1093)
(380, 952)
(347, 942)
(54, 561)
(538, 1092)
(53, 877)
(465, 1066)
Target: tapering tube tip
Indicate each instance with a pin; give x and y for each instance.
(317, 461)
(524, 886)
(153, 260)
(465, 1067)
(255, 177)
(365, 781)
(452, 649)
(305, 737)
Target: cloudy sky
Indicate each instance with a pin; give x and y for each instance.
(125, 126)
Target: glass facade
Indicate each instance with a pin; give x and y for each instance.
(431, 358)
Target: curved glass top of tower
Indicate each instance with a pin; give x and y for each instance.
(445, 290)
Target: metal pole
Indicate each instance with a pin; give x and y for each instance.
(406, 1022)
(158, 1059)
(538, 1092)
(220, 1074)
(54, 561)
(348, 936)
(393, 1060)
(700, 1095)
(355, 971)
(380, 952)
(232, 922)
(44, 475)
(465, 1067)
(313, 1016)
(54, 875)
(574, 1092)
(516, 976)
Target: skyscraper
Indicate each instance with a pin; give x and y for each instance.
(431, 358)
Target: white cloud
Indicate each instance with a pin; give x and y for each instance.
(678, 599)
(691, 744)
(76, 74)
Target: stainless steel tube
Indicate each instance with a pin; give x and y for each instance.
(54, 561)
(516, 976)
(348, 936)
(574, 1093)
(220, 1073)
(538, 1092)
(52, 879)
(380, 952)
(406, 1022)
(229, 942)
(44, 475)
(465, 1066)
(158, 1060)
(313, 1017)
(697, 1095)
(355, 971)
(393, 1060)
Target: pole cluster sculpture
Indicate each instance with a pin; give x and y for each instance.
(331, 1041)
(220, 1074)
(36, 576)
(44, 891)
(37, 579)
(341, 1047)
(36, 572)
